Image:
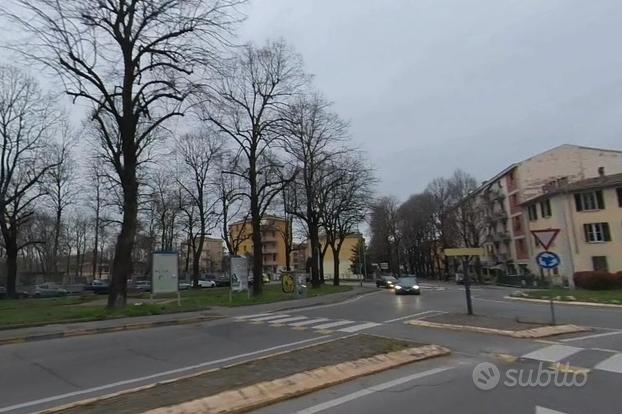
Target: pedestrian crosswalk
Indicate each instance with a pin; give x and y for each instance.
(306, 322)
(589, 358)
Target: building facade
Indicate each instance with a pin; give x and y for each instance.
(588, 214)
(346, 256)
(211, 256)
(274, 233)
(506, 233)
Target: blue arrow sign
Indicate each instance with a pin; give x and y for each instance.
(548, 260)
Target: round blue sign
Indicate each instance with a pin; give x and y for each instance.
(548, 260)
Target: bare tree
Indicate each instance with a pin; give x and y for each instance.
(26, 124)
(198, 154)
(313, 135)
(386, 235)
(132, 61)
(247, 106)
(96, 188)
(165, 203)
(229, 190)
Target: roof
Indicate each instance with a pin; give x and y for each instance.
(265, 217)
(604, 181)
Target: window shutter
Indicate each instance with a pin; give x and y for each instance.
(619, 190)
(577, 201)
(606, 233)
(586, 232)
(600, 202)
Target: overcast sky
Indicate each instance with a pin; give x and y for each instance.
(434, 85)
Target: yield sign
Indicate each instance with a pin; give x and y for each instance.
(545, 237)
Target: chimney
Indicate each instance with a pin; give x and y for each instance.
(601, 171)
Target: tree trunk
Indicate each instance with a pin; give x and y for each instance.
(11, 268)
(314, 239)
(256, 227)
(196, 261)
(122, 263)
(56, 243)
(335, 266)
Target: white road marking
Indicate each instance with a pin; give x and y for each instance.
(367, 391)
(580, 338)
(154, 376)
(257, 315)
(330, 305)
(332, 324)
(309, 322)
(543, 410)
(611, 364)
(553, 353)
(267, 318)
(292, 319)
(413, 315)
(360, 327)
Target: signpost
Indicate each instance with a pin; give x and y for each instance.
(164, 274)
(547, 259)
(466, 254)
(238, 275)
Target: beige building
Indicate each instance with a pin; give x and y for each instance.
(211, 256)
(346, 254)
(588, 214)
(506, 236)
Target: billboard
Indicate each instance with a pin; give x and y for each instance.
(165, 273)
(238, 274)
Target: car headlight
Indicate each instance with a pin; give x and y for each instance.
(398, 287)
(416, 286)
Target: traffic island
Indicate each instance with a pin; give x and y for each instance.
(264, 381)
(494, 325)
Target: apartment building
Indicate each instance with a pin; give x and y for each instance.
(274, 231)
(588, 214)
(346, 254)
(211, 256)
(500, 199)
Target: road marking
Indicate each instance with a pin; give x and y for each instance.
(613, 351)
(292, 319)
(543, 410)
(580, 338)
(611, 364)
(309, 322)
(412, 316)
(153, 376)
(257, 315)
(360, 327)
(267, 318)
(333, 324)
(553, 353)
(329, 305)
(367, 391)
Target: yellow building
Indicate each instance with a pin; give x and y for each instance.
(588, 214)
(274, 231)
(346, 256)
(211, 256)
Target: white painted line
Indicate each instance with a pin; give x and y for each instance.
(153, 376)
(333, 324)
(288, 319)
(543, 410)
(309, 322)
(553, 353)
(613, 351)
(330, 305)
(367, 391)
(611, 364)
(267, 318)
(413, 315)
(580, 338)
(253, 316)
(360, 327)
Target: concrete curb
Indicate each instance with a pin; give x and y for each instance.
(540, 332)
(563, 302)
(107, 329)
(270, 392)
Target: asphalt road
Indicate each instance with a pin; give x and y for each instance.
(49, 373)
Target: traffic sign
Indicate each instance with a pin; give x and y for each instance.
(548, 260)
(545, 237)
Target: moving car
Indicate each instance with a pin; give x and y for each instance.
(407, 286)
(47, 290)
(386, 282)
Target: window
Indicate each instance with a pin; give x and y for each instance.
(619, 191)
(599, 263)
(545, 208)
(533, 212)
(597, 232)
(589, 201)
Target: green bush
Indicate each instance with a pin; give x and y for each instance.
(598, 280)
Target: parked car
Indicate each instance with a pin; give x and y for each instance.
(223, 282)
(386, 282)
(47, 290)
(184, 285)
(204, 283)
(99, 287)
(143, 286)
(407, 286)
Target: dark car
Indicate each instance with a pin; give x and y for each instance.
(407, 286)
(222, 282)
(99, 287)
(386, 282)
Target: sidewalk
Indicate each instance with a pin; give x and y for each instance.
(39, 333)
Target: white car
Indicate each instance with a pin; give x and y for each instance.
(203, 283)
